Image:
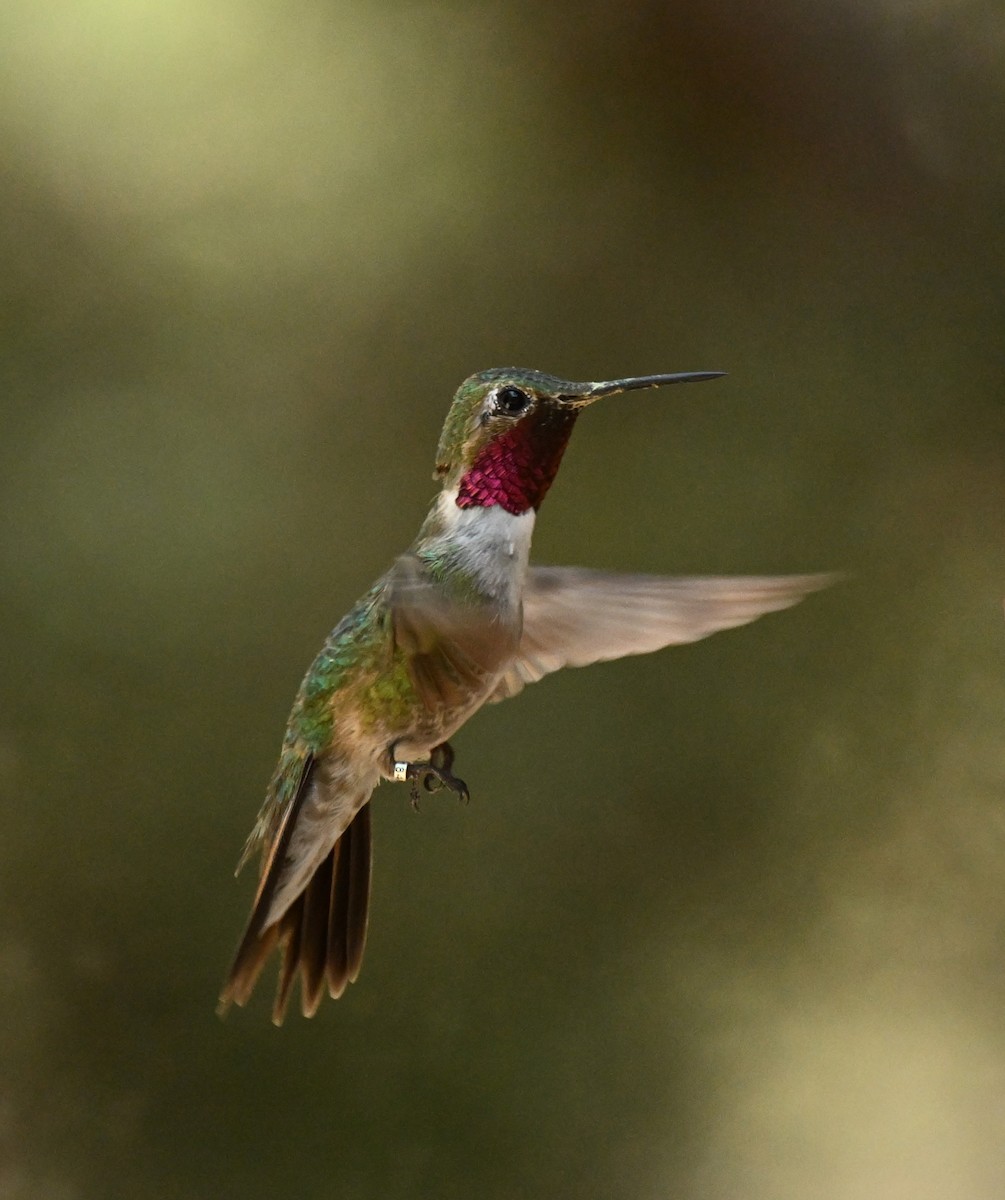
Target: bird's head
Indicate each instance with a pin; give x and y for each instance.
(508, 427)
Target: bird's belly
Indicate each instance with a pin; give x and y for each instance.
(416, 744)
(451, 678)
(445, 663)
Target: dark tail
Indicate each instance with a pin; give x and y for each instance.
(322, 934)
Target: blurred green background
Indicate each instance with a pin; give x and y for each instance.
(724, 923)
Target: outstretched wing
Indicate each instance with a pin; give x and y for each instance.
(573, 617)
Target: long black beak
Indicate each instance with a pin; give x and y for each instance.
(581, 394)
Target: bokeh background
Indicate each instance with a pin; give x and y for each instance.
(724, 923)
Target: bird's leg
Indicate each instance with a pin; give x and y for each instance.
(433, 775)
(437, 773)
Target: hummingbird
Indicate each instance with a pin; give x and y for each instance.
(460, 620)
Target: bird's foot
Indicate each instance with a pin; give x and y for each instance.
(433, 775)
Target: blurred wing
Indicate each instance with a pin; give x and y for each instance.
(453, 649)
(572, 617)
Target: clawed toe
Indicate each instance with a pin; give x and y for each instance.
(433, 776)
(433, 779)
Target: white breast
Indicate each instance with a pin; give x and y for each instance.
(491, 543)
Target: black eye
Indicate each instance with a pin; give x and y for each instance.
(512, 401)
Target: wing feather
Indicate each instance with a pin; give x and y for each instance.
(573, 617)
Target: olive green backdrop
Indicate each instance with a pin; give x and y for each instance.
(724, 923)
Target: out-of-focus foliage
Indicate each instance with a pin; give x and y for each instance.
(724, 922)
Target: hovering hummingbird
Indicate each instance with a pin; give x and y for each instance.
(460, 620)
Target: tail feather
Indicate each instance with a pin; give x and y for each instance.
(350, 899)
(358, 908)
(314, 935)
(259, 940)
(291, 926)
(336, 950)
(322, 933)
